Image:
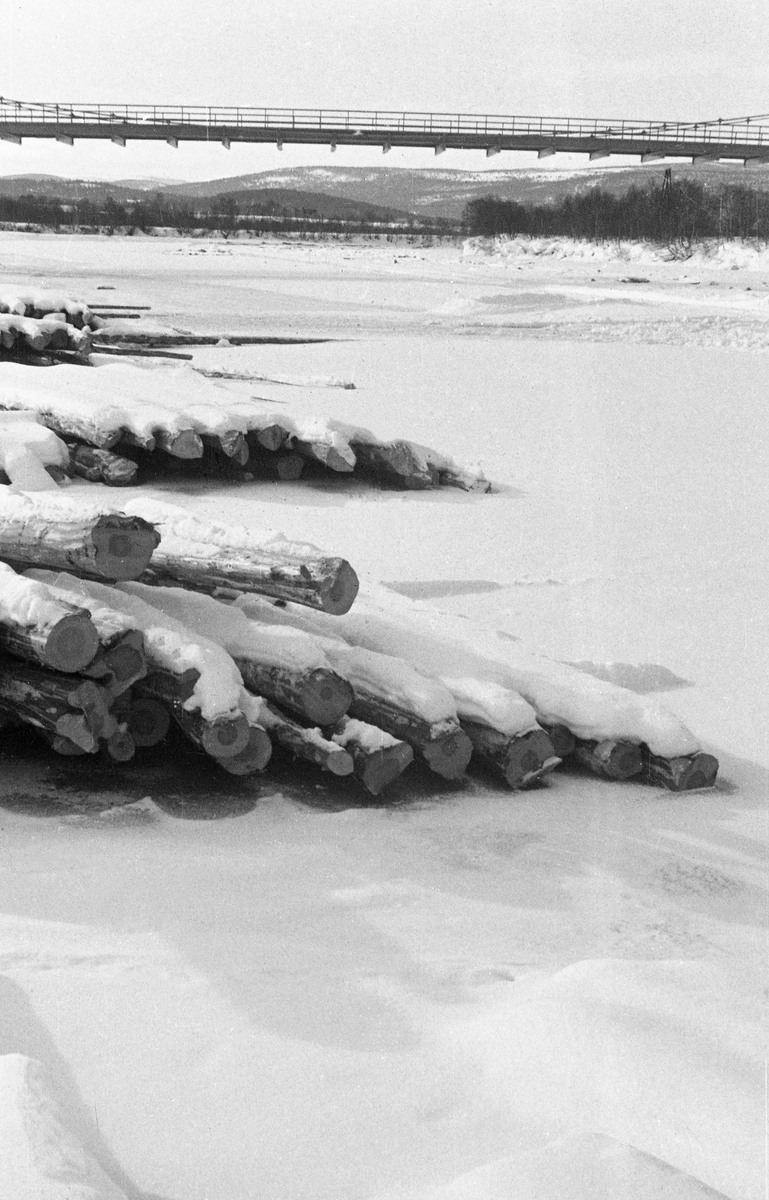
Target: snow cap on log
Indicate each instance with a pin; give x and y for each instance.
(168, 644)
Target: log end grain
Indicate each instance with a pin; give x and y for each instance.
(449, 754)
(225, 738)
(120, 747)
(613, 759)
(253, 757)
(71, 644)
(528, 758)
(688, 773)
(381, 768)
(564, 741)
(325, 696)
(148, 721)
(339, 589)
(123, 546)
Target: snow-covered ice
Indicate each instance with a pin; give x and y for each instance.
(459, 992)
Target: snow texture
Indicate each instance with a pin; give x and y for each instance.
(41, 1155)
(26, 602)
(369, 738)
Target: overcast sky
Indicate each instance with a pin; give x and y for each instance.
(650, 59)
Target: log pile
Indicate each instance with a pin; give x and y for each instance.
(99, 657)
(184, 422)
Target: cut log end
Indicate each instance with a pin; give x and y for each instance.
(562, 738)
(325, 697)
(148, 721)
(253, 757)
(449, 754)
(123, 545)
(120, 747)
(528, 758)
(687, 773)
(184, 444)
(381, 768)
(225, 738)
(71, 644)
(338, 594)
(613, 759)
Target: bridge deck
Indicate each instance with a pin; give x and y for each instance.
(746, 138)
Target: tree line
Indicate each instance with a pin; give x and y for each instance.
(223, 214)
(671, 213)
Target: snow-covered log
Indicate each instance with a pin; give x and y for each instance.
(102, 466)
(206, 678)
(610, 759)
(46, 531)
(683, 774)
(521, 759)
(306, 743)
(203, 557)
(440, 644)
(39, 303)
(220, 737)
(378, 757)
(35, 626)
(281, 664)
(334, 454)
(42, 1155)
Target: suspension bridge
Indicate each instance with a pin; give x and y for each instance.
(741, 138)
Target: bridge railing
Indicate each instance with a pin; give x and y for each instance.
(354, 122)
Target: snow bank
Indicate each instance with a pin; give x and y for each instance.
(447, 647)
(168, 643)
(41, 1155)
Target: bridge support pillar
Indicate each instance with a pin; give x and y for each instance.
(492, 150)
(332, 147)
(440, 147)
(594, 154)
(386, 148)
(65, 139)
(279, 144)
(117, 140)
(10, 137)
(226, 142)
(173, 142)
(545, 152)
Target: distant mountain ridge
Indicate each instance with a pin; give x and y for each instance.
(432, 192)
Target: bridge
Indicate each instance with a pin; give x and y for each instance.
(742, 138)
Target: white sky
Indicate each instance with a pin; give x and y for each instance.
(651, 59)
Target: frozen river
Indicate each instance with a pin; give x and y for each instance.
(271, 989)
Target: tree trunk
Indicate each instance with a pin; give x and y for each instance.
(522, 759)
(396, 464)
(376, 768)
(443, 745)
(57, 703)
(609, 759)
(684, 774)
(112, 546)
(564, 741)
(329, 584)
(68, 644)
(101, 466)
(306, 743)
(185, 443)
(319, 696)
(221, 738)
(253, 757)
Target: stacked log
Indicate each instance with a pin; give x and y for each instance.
(20, 336)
